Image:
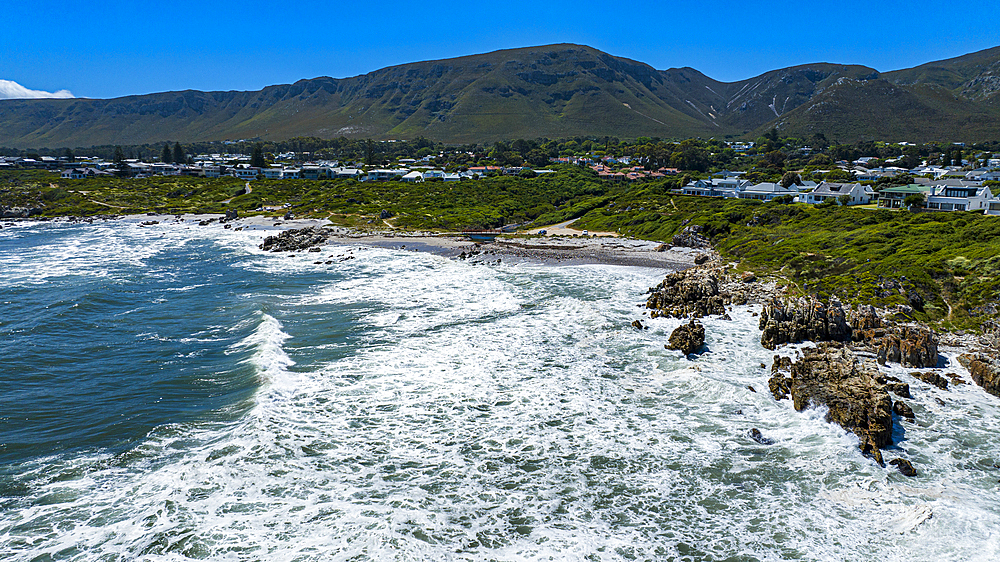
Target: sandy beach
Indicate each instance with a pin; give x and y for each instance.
(560, 246)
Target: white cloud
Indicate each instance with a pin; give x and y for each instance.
(13, 90)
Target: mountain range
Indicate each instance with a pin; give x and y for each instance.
(553, 91)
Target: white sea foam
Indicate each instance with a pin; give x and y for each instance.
(512, 413)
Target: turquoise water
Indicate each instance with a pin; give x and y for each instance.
(172, 393)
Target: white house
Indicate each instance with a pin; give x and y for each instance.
(765, 191)
(954, 198)
(385, 175)
(245, 172)
(728, 187)
(273, 173)
(414, 177)
(825, 190)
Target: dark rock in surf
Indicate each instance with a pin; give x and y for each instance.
(904, 466)
(687, 338)
(931, 378)
(850, 388)
(757, 436)
(902, 410)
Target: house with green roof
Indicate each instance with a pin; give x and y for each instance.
(892, 197)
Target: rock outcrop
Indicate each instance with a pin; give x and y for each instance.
(850, 387)
(904, 466)
(20, 212)
(985, 371)
(691, 237)
(910, 346)
(294, 240)
(694, 292)
(687, 338)
(799, 320)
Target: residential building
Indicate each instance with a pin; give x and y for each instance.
(824, 191)
(765, 191)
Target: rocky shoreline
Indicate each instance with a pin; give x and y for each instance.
(843, 371)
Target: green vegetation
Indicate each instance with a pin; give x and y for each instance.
(945, 266)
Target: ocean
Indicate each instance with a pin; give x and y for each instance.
(171, 392)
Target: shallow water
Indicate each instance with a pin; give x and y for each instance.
(172, 392)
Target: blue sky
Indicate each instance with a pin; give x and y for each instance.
(111, 48)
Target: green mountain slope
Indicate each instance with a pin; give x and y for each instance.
(549, 91)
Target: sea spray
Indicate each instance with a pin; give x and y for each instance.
(406, 406)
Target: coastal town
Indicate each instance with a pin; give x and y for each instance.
(964, 185)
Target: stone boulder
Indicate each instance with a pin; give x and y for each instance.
(687, 338)
(904, 466)
(691, 293)
(294, 240)
(691, 237)
(931, 378)
(902, 410)
(985, 371)
(799, 320)
(850, 387)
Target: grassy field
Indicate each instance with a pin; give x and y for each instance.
(944, 266)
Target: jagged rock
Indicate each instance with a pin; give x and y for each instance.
(907, 345)
(798, 320)
(871, 450)
(832, 375)
(701, 258)
(985, 371)
(662, 247)
(932, 378)
(904, 467)
(687, 338)
(292, 240)
(902, 410)
(900, 389)
(955, 378)
(694, 293)
(780, 384)
(638, 325)
(691, 237)
(757, 436)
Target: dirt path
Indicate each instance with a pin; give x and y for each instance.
(563, 229)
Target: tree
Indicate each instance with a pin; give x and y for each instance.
(775, 159)
(844, 199)
(914, 201)
(167, 157)
(789, 179)
(369, 152)
(119, 162)
(838, 175)
(257, 159)
(179, 153)
(70, 157)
